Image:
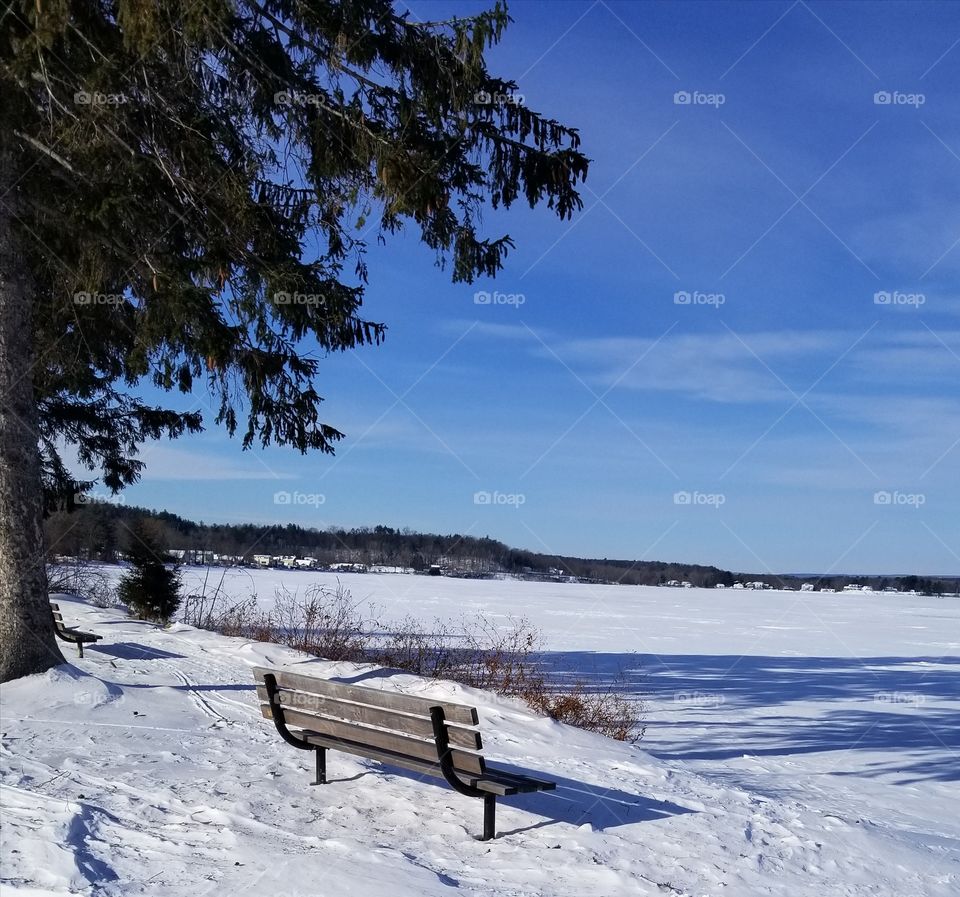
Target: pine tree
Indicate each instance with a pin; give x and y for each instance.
(187, 192)
(151, 588)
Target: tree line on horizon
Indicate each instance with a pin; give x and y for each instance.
(103, 531)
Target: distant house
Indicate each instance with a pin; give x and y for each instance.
(435, 570)
(720, 585)
(262, 560)
(686, 585)
(739, 585)
(807, 587)
(348, 568)
(306, 562)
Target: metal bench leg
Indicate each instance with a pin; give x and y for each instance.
(489, 817)
(80, 647)
(321, 767)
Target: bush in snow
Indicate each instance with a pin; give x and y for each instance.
(151, 588)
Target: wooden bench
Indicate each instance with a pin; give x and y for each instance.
(68, 634)
(431, 737)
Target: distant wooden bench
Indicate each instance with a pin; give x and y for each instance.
(68, 634)
(431, 737)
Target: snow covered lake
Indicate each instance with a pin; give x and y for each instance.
(796, 744)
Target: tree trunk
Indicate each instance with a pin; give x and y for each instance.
(27, 641)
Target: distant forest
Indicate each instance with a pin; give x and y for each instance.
(100, 531)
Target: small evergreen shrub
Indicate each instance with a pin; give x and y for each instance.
(151, 588)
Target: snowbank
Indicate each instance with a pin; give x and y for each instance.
(147, 768)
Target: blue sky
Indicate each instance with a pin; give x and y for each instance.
(786, 418)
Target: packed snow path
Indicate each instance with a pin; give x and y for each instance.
(147, 768)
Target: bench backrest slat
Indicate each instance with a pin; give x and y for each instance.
(349, 747)
(391, 742)
(373, 697)
(364, 714)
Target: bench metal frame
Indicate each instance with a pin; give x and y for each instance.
(488, 783)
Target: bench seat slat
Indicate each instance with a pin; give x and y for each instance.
(326, 707)
(489, 782)
(395, 743)
(75, 635)
(454, 713)
(493, 780)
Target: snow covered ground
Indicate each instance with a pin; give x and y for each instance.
(796, 745)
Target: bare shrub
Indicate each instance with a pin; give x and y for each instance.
(322, 621)
(84, 579)
(603, 709)
(216, 612)
(411, 647)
